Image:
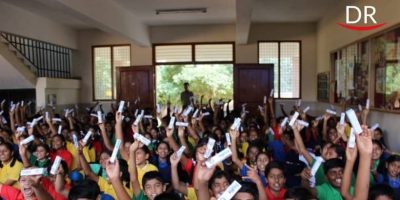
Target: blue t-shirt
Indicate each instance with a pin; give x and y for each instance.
(244, 170)
(277, 150)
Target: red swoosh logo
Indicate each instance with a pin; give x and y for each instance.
(361, 28)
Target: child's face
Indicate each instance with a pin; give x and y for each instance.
(262, 162)
(26, 187)
(276, 179)
(377, 135)
(141, 157)
(253, 135)
(5, 154)
(335, 176)
(243, 137)
(243, 196)
(200, 153)
(103, 159)
(394, 169)
(41, 153)
(376, 152)
(152, 188)
(219, 186)
(162, 150)
(332, 135)
(252, 154)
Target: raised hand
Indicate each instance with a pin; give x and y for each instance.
(174, 160)
(364, 141)
(203, 173)
(306, 174)
(351, 154)
(234, 134)
(170, 132)
(252, 174)
(118, 117)
(112, 170)
(134, 146)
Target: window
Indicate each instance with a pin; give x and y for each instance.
(286, 57)
(194, 53)
(106, 59)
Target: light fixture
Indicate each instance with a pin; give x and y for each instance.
(181, 10)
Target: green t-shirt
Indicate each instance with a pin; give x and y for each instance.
(319, 175)
(327, 192)
(34, 162)
(141, 196)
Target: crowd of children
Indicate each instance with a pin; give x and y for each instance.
(199, 152)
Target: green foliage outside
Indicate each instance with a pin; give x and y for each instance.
(211, 80)
(392, 79)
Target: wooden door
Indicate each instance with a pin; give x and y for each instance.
(134, 82)
(251, 83)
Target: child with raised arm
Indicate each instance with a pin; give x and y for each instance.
(365, 148)
(153, 184)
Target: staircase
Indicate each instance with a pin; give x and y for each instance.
(42, 58)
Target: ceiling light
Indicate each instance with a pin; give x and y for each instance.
(181, 10)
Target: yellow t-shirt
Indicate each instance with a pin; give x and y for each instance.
(90, 154)
(141, 171)
(11, 173)
(107, 188)
(191, 194)
(244, 148)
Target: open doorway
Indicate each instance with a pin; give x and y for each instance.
(211, 80)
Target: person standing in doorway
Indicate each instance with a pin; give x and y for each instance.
(186, 95)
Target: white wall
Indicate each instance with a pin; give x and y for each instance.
(67, 91)
(22, 22)
(331, 36)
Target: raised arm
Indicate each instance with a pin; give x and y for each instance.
(299, 141)
(133, 169)
(106, 140)
(182, 139)
(175, 177)
(119, 134)
(351, 156)
(59, 183)
(253, 176)
(24, 155)
(38, 189)
(364, 144)
(113, 173)
(85, 166)
(234, 135)
(203, 176)
(325, 127)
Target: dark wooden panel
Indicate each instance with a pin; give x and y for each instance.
(251, 83)
(134, 82)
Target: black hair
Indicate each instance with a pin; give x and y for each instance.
(333, 163)
(45, 146)
(9, 146)
(298, 193)
(202, 142)
(85, 189)
(378, 190)
(250, 188)
(377, 142)
(217, 175)
(151, 175)
(167, 196)
(145, 149)
(186, 84)
(123, 166)
(340, 151)
(274, 165)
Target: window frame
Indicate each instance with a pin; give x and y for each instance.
(279, 64)
(111, 46)
(193, 61)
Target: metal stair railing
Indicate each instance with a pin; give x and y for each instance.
(43, 58)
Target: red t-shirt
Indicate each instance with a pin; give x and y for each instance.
(64, 154)
(277, 135)
(12, 193)
(270, 195)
